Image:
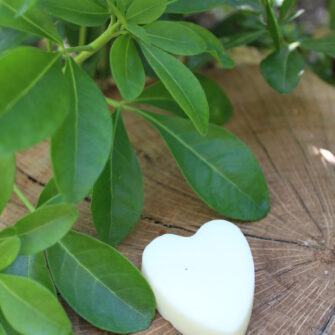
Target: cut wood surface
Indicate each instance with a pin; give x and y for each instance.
(293, 137)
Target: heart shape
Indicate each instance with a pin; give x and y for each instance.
(203, 284)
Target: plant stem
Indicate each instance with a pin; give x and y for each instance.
(123, 105)
(118, 14)
(97, 44)
(49, 46)
(113, 102)
(24, 199)
(82, 35)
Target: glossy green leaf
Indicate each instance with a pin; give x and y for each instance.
(214, 45)
(80, 12)
(145, 11)
(30, 308)
(273, 24)
(9, 250)
(283, 70)
(220, 179)
(138, 32)
(33, 21)
(81, 146)
(127, 68)
(194, 6)
(101, 285)
(220, 107)
(33, 267)
(117, 198)
(50, 195)
(42, 228)
(286, 8)
(325, 45)
(7, 179)
(181, 84)
(175, 38)
(34, 99)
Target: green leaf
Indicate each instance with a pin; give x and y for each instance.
(145, 11)
(283, 70)
(286, 8)
(331, 11)
(197, 62)
(220, 107)
(251, 5)
(158, 96)
(50, 195)
(273, 25)
(127, 68)
(7, 173)
(81, 12)
(5, 327)
(122, 5)
(27, 4)
(236, 40)
(9, 250)
(117, 198)
(194, 6)
(101, 285)
(215, 167)
(33, 21)
(214, 45)
(34, 98)
(197, 6)
(42, 228)
(138, 32)
(33, 267)
(181, 84)
(81, 146)
(30, 308)
(325, 45)
(10, 39)
(176, 38)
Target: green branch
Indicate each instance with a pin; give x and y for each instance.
(26, 202)
(97, 44)
(113, 102)
(82, 35)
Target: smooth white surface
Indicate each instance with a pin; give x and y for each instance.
(204, 284)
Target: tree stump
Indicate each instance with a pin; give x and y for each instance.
(293, 138)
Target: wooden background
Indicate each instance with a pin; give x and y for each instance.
(293, 137)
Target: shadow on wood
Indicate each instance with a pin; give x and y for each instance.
(294, 247)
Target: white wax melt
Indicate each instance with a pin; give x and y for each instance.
(204, 284)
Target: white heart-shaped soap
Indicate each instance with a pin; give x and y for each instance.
(203, 284)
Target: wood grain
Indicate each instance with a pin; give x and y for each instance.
(294, 247)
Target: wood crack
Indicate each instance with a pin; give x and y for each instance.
(166, 225)
(31, 178)
(270, 239)
(301, 200)
(324, 327)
